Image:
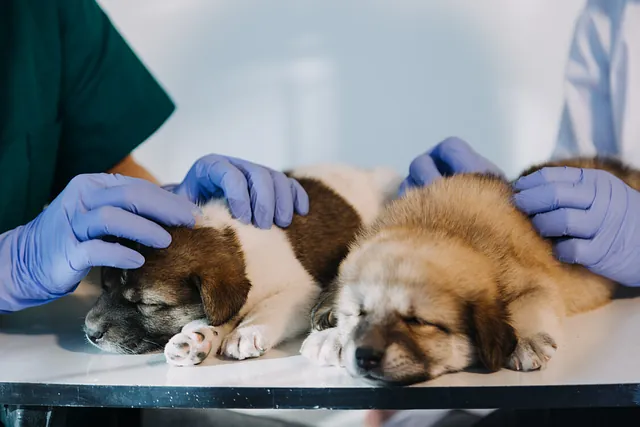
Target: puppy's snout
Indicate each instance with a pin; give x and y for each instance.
(95, 335)
(368, 358)
(95, 330)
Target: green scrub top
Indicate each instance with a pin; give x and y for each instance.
(74, 98)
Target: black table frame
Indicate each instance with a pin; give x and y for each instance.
(36, 403)
(473, 397)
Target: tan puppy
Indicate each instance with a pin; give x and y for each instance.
(450, 275)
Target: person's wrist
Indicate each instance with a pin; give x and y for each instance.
(9, 300)
(621, 261)
(27, 274)
(169, 187)
(633, 215)
(17, 290)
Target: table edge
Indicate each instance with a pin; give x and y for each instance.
(462, 397)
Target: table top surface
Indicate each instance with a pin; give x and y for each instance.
(45, 359)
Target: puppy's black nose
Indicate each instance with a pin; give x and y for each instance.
(368, 358)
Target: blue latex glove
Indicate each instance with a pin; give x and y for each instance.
(47, 258)
(451, 156)
(252, 191)
(593, 213)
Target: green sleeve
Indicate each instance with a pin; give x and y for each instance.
(110, 103)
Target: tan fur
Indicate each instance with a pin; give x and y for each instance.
(450, 275)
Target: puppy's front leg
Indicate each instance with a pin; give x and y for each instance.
(536, 319)
(270, 322)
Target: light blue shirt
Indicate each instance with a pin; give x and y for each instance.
(601, 112)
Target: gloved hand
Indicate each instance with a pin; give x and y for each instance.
(252, 191)
(48, 257)
(593, 213)
(451, 156)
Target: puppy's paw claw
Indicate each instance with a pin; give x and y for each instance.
(191, 346)
(323, 347)
(532, 353)
(244, 343)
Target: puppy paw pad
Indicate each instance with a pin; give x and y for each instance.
(532, 353)
(191, 346)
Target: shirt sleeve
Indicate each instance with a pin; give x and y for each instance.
(110, 102)
(587, 125)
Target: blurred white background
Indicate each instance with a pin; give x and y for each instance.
(286, 82)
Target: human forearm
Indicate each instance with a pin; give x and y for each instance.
(129, 167)
(587, 124)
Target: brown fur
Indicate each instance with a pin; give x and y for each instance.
(630, 176)
(170, 275)
(321, 239)
(460, 257)
(203, 270)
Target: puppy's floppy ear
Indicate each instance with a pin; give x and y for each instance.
(222, 297)
(493, 336)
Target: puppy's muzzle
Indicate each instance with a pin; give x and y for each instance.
(368, 358)
(95, 331)
(369, 348)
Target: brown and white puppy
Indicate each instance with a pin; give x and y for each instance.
(233, 287)
(451, 275)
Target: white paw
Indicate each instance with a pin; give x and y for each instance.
(244, 343)
(192, 346)
(532, 353)
(323, 347)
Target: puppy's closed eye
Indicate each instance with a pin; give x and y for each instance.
(358, 312)
(415, 321)
(135, 296)
(150, 308)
